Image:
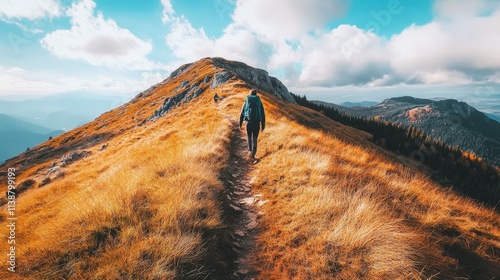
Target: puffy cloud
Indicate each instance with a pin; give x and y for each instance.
(28, 9)
(18, 81)
(15, 81)
(285, 19)
(345, 55)
(458, 47)
(454, 49)
(464, 8)
(243, 45)
(189, 44)
(168, 11)
(446, 51)
(98, 41)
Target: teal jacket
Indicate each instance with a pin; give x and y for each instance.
(259, 115)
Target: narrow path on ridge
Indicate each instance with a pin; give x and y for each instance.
(242, 215)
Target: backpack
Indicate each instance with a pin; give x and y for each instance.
(252, 109)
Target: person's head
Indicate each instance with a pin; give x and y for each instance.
(253, 92)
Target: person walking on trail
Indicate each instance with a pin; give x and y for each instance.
(253, 113)
(216, 98)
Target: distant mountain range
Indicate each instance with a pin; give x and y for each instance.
(61, 111)
(453, 122)
(29, 122)
(18, 135)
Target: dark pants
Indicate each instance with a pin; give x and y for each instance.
(253, 134)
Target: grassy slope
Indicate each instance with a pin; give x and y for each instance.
(338, 206)
(141, 212)
(341, 208)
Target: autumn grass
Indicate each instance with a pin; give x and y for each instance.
(147, 207)
(339, 208)
(140, 209)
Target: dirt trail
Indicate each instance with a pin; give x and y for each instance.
(242, 214)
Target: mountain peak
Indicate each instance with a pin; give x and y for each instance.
(227, 69)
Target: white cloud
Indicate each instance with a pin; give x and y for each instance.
(29, 9)
(447, 51)
(15, 81)
(458, 47)
(243, 45)
(112, 84)
(465, 45)
(345, 55)
(448, 9)
(285, 19)
(98, 41)
(168, 11)
(189, 44)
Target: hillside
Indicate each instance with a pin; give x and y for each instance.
(159, 188)
(453, 122)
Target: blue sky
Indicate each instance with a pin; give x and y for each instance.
(327, 46)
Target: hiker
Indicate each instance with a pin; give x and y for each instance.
(253, 113)
(216, 98)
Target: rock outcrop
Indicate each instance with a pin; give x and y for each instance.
(255, 77)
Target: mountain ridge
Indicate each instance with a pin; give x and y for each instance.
(155, 189)
(453, 122)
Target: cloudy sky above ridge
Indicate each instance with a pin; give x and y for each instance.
(52, 46)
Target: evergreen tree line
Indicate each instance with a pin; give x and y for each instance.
(467, 173)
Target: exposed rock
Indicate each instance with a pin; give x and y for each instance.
(243, 272)
(168, 105)
(54, 169)
(25, 185)
(184, 84)
(207, 79)
(44, 182)
(178, 71)
(220, 78)
(240, 233)
(173, 102)
(74, 156)
(260, 203)
(103, 147)
(252, 224)
(236, 208)
(257, 78)
(248, 200)
(236, 250)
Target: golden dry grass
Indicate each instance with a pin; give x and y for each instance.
(136, 210)
(339, 207)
